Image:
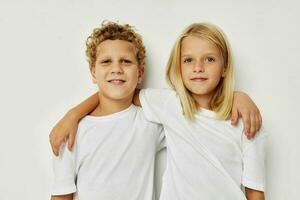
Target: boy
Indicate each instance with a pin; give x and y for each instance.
(115, 147)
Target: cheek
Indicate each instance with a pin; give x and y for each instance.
(133, 75)
(99, 75)
(217, 75)
(184, 73)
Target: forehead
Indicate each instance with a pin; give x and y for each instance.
(193, 44)
(116, 47)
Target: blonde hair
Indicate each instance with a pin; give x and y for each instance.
(221, 101)
(114, 31)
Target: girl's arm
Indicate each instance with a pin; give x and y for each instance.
(67, 126)
(62, 197)
(244, 107)
(254, 194)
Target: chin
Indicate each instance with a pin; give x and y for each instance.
(119, 96)
(200, 91)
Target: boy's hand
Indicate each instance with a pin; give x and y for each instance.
(243, 106)
(66, 128)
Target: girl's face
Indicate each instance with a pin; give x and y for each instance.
(201, 67)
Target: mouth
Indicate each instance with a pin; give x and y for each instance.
(116, 81)
(199, 79)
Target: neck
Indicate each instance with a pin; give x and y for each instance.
(202, 101)
(109, 106)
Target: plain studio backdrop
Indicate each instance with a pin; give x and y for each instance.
(44, 72)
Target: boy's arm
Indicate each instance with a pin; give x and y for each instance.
(62, 197)
(254, 194)
(243, 106)
(67, 126)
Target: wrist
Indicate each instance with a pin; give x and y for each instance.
(72, 114)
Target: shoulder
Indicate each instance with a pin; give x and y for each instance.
(259, 138)
(144, 124)
(162, 93)
(142, 119)
(85, 128)
(85, 123)
(158, 97)
(239, 128)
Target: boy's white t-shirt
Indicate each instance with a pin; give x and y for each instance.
(113, 158)
(206, 159)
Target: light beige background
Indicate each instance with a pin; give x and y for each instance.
(44, 72)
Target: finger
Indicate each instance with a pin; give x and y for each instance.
(71, 139)
(257, 122)
(51, 143)
(260, 120)
(56, 143)
(234, 117)
(55, 151)
(252, 125)
(246, 122)
(54, 147)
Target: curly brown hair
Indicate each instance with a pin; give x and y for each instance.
(114, 31)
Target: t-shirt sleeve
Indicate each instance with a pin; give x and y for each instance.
(64, 172)
(254, 161)
(153, 103)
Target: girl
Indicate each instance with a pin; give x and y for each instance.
(207, 158)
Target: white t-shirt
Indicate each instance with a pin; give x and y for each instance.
(113, 158)
(206, 159)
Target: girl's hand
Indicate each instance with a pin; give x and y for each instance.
(243, 106)
(65, 129)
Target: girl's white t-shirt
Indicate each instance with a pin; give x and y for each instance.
(208, 158)
(113, 158)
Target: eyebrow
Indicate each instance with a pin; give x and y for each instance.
(208, 53)
(109, 56)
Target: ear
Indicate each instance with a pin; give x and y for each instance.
(93, 73)
(141, 73)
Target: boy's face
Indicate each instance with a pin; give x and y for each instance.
(116, 70)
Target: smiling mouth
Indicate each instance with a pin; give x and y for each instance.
(199, 79)
(116, 81)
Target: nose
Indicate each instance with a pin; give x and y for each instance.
(199, 67)
(117, 69)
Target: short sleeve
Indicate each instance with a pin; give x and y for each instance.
(64, 172)
(153, 102)
(254, 161)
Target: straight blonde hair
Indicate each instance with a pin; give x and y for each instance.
(221, 101)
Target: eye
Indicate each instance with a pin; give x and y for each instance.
(210, 59)
(105, 61)
(187, 60)
(126, 61)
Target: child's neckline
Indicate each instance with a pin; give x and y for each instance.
(207, 113)
(113, 115)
